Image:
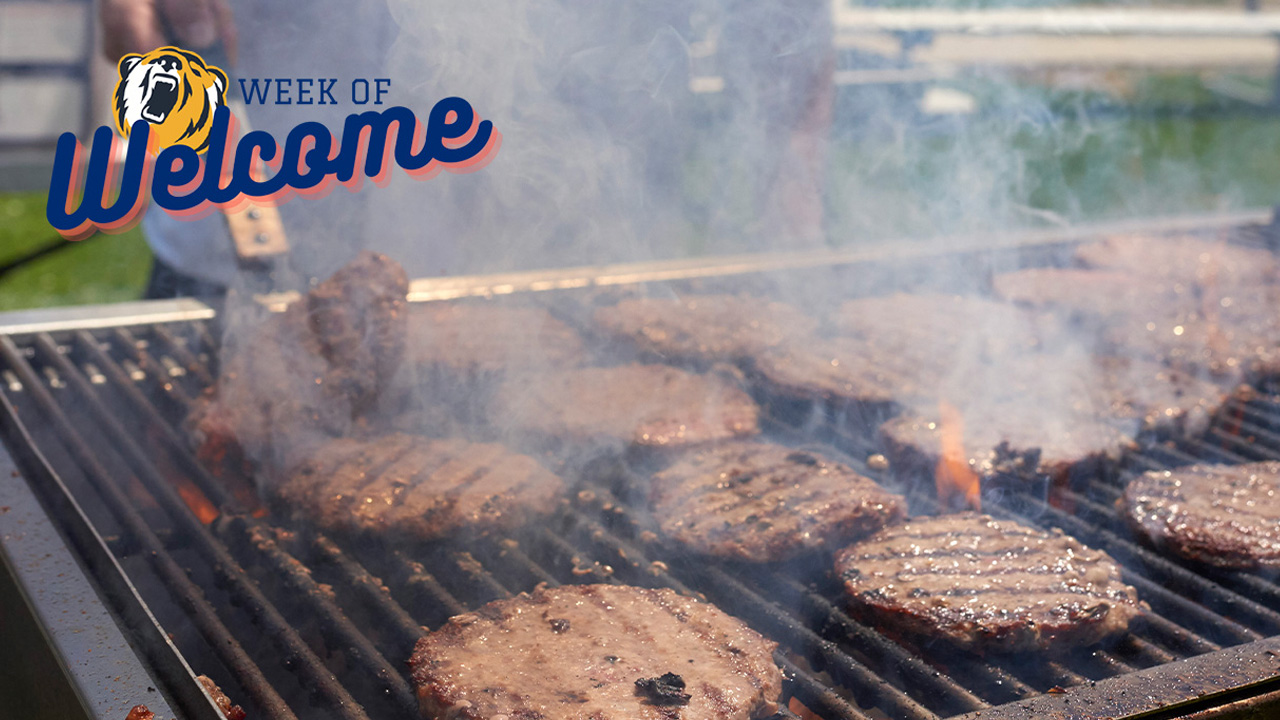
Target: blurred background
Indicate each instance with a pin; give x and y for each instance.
(948, 117)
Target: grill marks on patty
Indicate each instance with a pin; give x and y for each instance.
(987, 585)
(421, 487)
(1223, 515)
(577, 652)
(763, 502)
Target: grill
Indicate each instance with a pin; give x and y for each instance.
(292, 623)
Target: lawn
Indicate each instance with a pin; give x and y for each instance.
(102, 269)
(1033, 158)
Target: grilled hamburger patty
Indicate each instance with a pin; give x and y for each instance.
(466, 339)
(1051, 415)
(1008, 440)
(596, 652)
(1232, 338)
(987, 585)
(420, 487)
(1185, 258)
(306, 374)
(703, 328)
(834, 369)
(903, 349)
(1223, 515)
(932, 332)
(653, 405)
(1223, 318)
(763, 502)
(1091, 296)
(1223, 331)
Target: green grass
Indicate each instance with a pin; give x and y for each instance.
(101, 269)
(1053, 157)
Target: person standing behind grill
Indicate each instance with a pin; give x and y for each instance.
(264, 39)
(592, 99)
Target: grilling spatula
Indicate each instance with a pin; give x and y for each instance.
(256, 231)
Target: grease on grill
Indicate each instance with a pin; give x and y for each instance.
(140, 712)
(666, 689)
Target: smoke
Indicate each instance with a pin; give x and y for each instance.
(609, 156)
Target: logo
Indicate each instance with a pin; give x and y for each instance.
(174, 91)
(185, 149)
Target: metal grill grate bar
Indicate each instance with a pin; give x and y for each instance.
(254, 538)
(185, 593)
(219, 560)
(600, 540)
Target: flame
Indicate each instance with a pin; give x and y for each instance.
(798, 709)
(954, 477)
(205, 510)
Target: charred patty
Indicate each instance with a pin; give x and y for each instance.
(419, 487)
(1223, 515)
(987, 585)
(596, 652)
(763, 502)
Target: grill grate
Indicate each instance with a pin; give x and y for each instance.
(292, 623)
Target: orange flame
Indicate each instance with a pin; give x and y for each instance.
(205, 510)
(953, 476)
(798, 709)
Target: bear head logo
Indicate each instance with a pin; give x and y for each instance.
(173, 90)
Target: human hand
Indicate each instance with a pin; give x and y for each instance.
(140, 26)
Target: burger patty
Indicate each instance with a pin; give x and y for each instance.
(466, 340)
(1230, 339)
(1008, 441)
(419, 487)
(1223, 332)
(1223, 515)
(702, 328)
(307, 374)
(987, 585)
(1053, 415)
(763, 502)
(1198, 261)
(1222, 320)
(930, 332)
(836, 369)
(647, 405)
(1091, 296)
(596, 652)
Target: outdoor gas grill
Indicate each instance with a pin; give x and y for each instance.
(131, 569)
